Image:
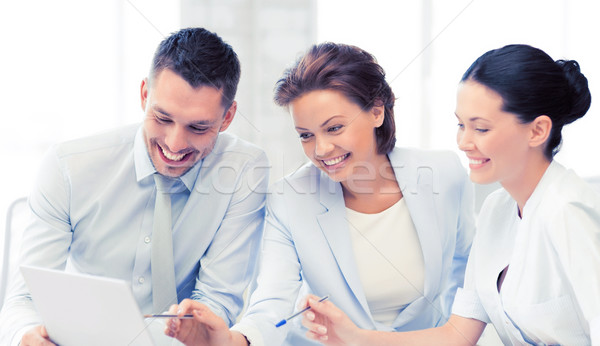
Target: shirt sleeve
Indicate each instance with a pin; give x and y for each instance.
(575, 230)
(251, 333)
(595, 331)
(464, 238)
(229, 264)
(467, 302)
(45, 243)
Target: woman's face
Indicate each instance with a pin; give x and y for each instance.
(495, 142)
(337, 135)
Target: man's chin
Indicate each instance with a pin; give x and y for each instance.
(173, 172)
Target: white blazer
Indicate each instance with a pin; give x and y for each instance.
(307, 243)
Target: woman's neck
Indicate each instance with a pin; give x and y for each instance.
(372, 190)
(521, 188)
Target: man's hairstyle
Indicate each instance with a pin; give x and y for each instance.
(201, 58)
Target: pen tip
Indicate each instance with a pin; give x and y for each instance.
(280, 323)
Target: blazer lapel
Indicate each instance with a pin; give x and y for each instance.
(335, 228)
(417, 185)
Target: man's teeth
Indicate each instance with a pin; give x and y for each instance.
(476, 162)
(335, 161)
(172, 157)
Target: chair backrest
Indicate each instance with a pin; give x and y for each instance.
(595, 182)
(15, 221)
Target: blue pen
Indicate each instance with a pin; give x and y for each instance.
(282, 322)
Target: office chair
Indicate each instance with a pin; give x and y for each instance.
(595, 182)
(14, 209)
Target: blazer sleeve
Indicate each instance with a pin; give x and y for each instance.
(575, 232)
(279, 278)
(465, 231)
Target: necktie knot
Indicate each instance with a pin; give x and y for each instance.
(168, 185)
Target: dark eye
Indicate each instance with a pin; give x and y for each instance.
(481, 130)
(334, 128)
(199, 129)
(305, 136)
(162, 120)
(461, 126)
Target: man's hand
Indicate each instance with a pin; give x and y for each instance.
(36, 336)
(205, 328)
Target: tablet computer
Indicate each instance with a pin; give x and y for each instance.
(81, 309)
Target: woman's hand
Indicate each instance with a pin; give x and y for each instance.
(331, 326)
(328, 324)
(37, 336)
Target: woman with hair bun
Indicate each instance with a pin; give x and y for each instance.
(384, 231)
(534, 267)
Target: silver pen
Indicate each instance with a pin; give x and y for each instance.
(183, 317)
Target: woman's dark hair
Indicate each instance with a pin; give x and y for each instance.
(349, 70)
(531, 84)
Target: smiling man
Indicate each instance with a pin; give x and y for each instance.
(94, 200)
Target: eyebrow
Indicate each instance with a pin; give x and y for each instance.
(472, 119)
(165, 113)
(161, 111)
(323, 124)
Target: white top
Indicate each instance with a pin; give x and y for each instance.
(551, 292)
(389, 259)
(307, 247)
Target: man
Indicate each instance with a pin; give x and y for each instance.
(94, 200)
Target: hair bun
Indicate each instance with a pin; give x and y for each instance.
(578, 89)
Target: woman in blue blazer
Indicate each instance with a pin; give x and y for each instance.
(533, 271)
(383, 231)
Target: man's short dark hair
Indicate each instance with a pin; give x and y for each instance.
(201, 58)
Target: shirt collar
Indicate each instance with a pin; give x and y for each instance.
(190, 177)
(144, 169)
(141, 159)
(552, 173)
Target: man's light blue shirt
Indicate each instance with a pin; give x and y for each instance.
(93, 205)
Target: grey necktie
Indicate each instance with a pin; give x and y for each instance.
(164, 289)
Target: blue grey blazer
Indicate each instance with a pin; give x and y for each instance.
(307, 245)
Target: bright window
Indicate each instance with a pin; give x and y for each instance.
(425, 47)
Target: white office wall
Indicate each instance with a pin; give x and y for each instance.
(70, 68)
(425, 47)
(267, 36)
